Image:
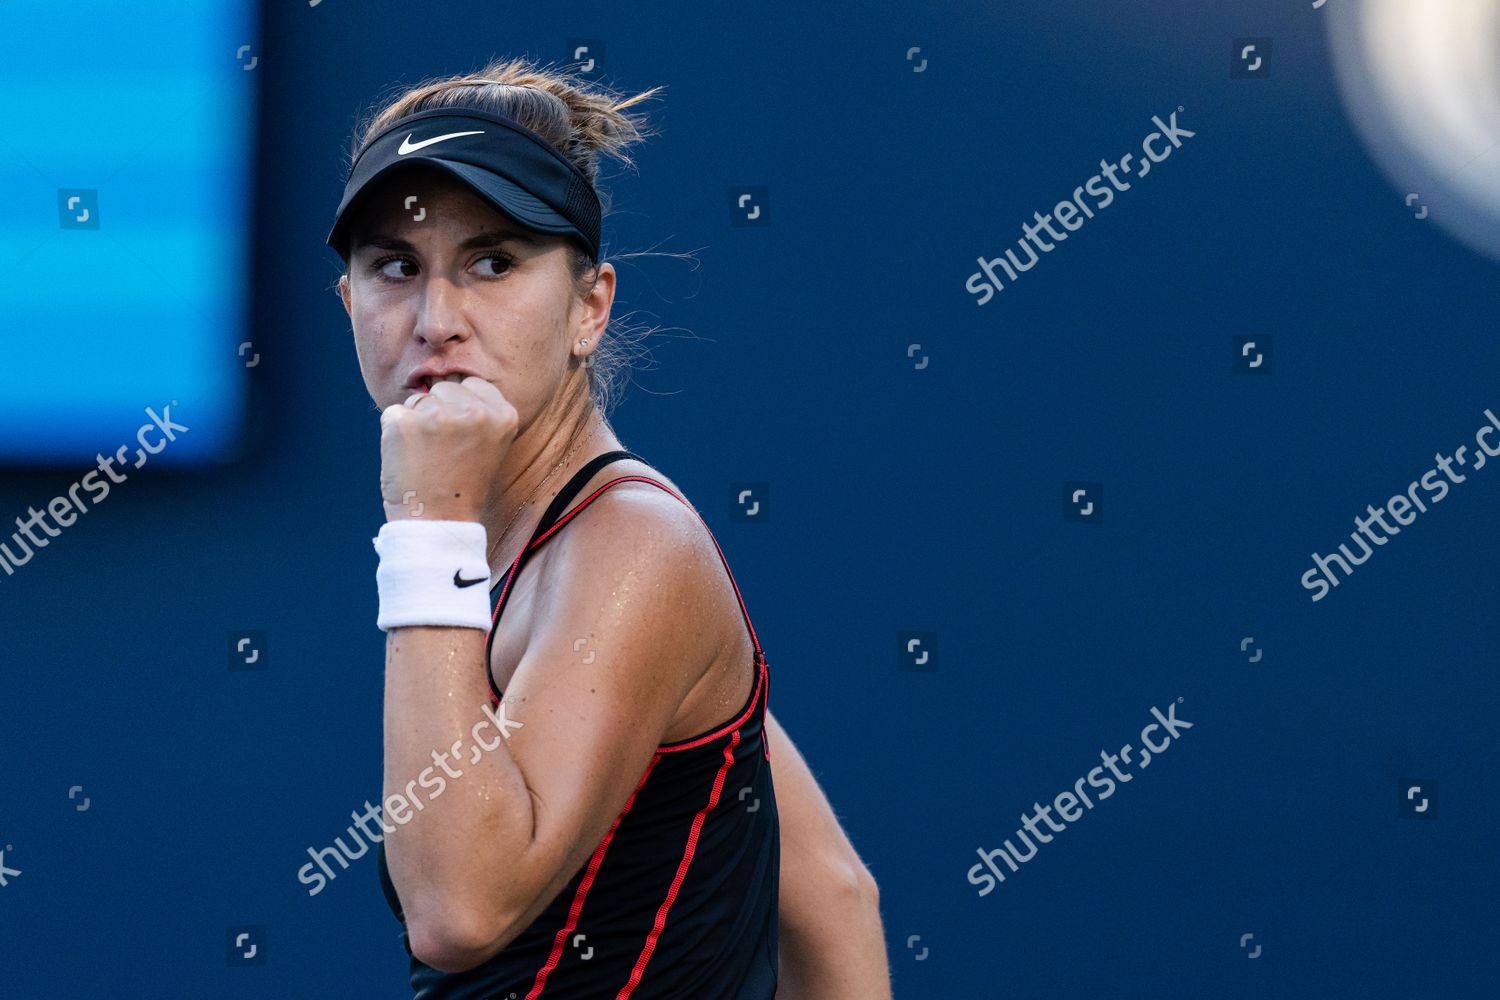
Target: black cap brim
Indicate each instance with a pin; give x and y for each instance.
(504, 195)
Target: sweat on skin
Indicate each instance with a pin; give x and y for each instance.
(397, 806)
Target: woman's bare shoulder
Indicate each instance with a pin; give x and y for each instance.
(636, 524)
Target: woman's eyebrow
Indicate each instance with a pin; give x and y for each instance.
(487, 238)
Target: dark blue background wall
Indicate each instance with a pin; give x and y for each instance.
(901, 499)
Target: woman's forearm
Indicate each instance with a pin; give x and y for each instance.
(840, 955)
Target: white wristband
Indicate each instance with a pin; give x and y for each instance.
(433, 573)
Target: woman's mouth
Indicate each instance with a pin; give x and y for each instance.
(425, 383)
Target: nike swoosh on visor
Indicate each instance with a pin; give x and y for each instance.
(407, 146)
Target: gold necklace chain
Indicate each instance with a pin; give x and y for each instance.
(561, 462)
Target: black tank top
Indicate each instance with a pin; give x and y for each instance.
(679, 900)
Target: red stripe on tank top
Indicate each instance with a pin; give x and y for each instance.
(583, 890)
(682, 868)
(735, 723)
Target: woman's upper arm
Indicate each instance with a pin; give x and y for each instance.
(816, 855)
(612, 655)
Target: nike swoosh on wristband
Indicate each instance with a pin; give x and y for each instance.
(407, 146)
(459, 581)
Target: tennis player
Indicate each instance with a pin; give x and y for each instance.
(585, 794)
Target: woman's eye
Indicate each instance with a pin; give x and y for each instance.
(395, 267)
(496, 263)
(383, 267)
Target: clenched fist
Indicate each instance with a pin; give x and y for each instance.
(440, 451)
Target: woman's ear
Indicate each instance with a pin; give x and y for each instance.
(344, 292)
(598, 302)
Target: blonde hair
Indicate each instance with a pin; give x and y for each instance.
(583, 120)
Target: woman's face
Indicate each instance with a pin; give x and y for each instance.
(439, 280)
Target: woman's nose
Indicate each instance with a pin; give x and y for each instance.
(440, 317)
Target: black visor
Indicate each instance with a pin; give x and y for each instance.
(507, 164)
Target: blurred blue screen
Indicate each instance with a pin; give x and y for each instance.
(126, 161)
